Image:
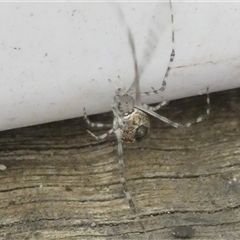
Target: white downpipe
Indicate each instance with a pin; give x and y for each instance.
(56, 58)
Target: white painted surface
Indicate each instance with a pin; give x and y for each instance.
(57, 58)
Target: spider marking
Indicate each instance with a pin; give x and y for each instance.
(130, 122)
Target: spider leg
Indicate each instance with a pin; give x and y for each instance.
(96, 124)
(172, 56)
(202, 117)
(112, 130)
(156, 115)
(135, 84)
(101, 137)
(154, 108)
(148, 110)
(121, 171)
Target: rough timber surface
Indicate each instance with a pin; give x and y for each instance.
(62, 184)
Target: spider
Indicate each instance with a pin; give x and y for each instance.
(131, 122)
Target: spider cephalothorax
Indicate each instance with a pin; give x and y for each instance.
(125, 104)
(133, 123)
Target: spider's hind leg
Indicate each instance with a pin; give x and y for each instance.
(150, 110)
(96, 124)
(100, 125)
(101, 137)
(171, 59)
(156, 107)
(202, 117)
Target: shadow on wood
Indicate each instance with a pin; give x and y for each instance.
(62, 184)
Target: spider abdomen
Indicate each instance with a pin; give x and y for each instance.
(136, 126)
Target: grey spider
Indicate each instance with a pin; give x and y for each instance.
(130, 122)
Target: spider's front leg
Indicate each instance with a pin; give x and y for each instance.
(170, 63)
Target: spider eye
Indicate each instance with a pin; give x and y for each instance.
(119, 106)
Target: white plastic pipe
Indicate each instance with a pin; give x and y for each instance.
(56, 58)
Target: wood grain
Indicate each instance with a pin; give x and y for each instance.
(62, 184)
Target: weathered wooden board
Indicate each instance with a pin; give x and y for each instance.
(61, 184)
